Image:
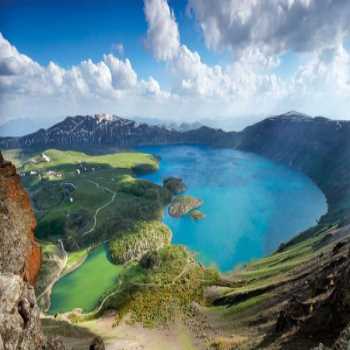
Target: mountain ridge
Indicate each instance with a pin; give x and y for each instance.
(317, 146)
(105, 129)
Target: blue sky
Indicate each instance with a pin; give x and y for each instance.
(180, 57)
(68, 32)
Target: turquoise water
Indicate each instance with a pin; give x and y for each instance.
(251, 204)
(83, 287)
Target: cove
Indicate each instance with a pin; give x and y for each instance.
(251, 204)
(83, 287)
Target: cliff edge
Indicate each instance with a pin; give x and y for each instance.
(20, 258)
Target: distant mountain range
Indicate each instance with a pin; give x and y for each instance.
(103, 130)
(317, 146)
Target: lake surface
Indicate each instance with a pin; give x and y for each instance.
(83, 287)
(251, 204)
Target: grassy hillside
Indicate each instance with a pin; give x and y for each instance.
(125, 160)
(161, 287)
(86, 199)
(292, 299)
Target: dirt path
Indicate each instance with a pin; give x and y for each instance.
(92, 228)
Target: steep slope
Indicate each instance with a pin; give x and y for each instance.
(20, 326)
(19, 253)
(318, 147)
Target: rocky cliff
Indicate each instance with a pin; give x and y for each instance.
(20, 258)
(19, 253)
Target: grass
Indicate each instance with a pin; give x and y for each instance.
(66, 206)
(157, 295)
(247, 304)
(75, 258)
(279, 262)
(144, 236)
(268, 272)
(125, 160)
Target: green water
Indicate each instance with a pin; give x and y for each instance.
(83, 287)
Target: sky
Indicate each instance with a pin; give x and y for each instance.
(174, 59)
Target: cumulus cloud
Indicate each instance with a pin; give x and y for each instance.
(19, 73)
(273, 26)
(193, 77)
(326, 73)
(89, 86)
(261, 31)
(249, 84)
(162, 35)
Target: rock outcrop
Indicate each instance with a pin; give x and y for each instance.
(19, 253)
(20, 257)
(197, 215)
(319, 304)
(182, 205)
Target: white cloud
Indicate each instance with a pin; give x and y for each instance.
(162, 35)
(326, 73)
(28, 88)
(123, 75)
(247, 85)
(193, 77)
(260, 31)
(20, 74)
(272, 26)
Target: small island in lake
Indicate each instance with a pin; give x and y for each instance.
(182, 205)
(197, 215)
